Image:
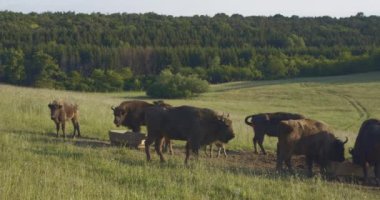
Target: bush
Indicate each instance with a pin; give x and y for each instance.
(106, 81)
(168, 85)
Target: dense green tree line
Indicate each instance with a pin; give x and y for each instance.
(98, 52)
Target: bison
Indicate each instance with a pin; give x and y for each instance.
(310, 138)
(61, 111)
(263, 123)
(132, 115)
(196, 126)
(367, 148)
(219, 145)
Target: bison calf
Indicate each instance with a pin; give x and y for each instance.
(219, 145)
(60, 112)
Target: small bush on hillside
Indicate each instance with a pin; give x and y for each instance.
(168, 85)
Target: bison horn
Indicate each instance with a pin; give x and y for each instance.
(345, 140)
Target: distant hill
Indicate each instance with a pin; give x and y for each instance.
(57, 49)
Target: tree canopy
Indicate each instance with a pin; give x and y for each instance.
(82, 51)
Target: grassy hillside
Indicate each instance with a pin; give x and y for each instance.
(36, 165)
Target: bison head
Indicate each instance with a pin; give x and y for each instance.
(225, 132)
(356, 158)
(337, 150)
(55, 108)
(119, 115)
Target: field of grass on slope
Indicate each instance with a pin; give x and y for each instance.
(36, 165)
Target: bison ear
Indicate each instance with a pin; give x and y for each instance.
(113, 108)
(50, 105)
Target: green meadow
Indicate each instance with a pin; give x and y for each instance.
(34, 164)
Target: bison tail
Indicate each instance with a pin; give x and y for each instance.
(247, 121)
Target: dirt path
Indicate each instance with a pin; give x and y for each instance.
(357, 106)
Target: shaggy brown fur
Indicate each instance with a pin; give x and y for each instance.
(264, 123)
(197, 126)
(60, 112)
(367, 148)
(132, 115)
(310, 138)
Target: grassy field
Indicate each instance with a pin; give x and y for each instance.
(36, 165)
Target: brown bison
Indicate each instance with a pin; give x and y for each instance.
(310, 138)
(367, 148)
(219, 145)
(60, 112)
(197, 126)
(132, 115)
(263, 123)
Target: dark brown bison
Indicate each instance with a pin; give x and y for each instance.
(219, 145)
(263, 123)
(310, 138)
(132, 115)
(367, 148)
(197, 126)
(60, 112)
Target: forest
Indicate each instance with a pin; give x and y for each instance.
(115, 52)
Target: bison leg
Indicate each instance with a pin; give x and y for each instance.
(57, 128)
(289, 164)
(78, 130)
(309, 164)
(187, 152)
(260, 141)
(195, 148)
(377, 173)
(224, 151)
(284, 153)
(63, 125)
(76, 127)
(136, 128)
(206, 150)
(254, 144)
(157, 146)
(219, 150)
(148, 142)
(365, 173)
(170, 146)
(323, 168)
(280, 156)
(211, 150)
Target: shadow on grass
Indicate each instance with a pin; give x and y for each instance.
(36, 136)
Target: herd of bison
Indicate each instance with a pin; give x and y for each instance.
(297, 135)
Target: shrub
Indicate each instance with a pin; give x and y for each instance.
(168, 85)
